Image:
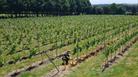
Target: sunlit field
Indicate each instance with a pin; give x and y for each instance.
(100, 45)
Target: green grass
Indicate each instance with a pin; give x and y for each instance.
(42, 71)
(127, 67)
(53, 29)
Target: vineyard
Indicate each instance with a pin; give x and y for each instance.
(32, 47)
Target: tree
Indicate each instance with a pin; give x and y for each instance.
(113, 8)
(73, 6)
(66, 7)
(120, 10)
(100, 10)
(106, 10)
(134, 10)
(1, 6)
(52, 7)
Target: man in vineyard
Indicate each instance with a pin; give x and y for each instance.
(66, 58)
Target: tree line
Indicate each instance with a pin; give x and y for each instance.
(131, 9)
(44, 7)
(20, 8)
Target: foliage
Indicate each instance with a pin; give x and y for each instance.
(43, 7)
(32, 52)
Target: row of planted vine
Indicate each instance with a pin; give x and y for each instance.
(27, 38)
(95, 40)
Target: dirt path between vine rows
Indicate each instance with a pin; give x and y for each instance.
(120, 54)
(63, 70)
(31, 67)
(42, 52)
